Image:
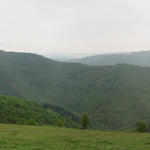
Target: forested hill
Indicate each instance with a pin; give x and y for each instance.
(115, 97)
(19, 111)
(135, 58)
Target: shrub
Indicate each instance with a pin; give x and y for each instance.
(141, 126)
(32, 122)
(60, 123)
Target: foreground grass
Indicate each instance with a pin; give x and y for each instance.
(15, 137)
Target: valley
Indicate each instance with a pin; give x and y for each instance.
(115, 97)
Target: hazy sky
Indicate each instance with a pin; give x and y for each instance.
(74, 26)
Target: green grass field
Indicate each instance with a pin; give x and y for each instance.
(15, 137)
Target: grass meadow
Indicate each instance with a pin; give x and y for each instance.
(19, 137)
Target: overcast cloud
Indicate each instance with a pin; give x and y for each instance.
(74, 26)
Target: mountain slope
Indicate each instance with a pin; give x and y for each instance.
(135, 58)
(115, 97)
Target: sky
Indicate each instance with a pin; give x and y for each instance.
(80, 27)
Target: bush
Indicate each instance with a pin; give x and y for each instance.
(141, 126)
(60, 123)
(32, 122)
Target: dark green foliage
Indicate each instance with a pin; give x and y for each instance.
(19, 111)
(85, 121)
(141, 126)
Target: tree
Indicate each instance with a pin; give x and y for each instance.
(141, 126)
(85, 121)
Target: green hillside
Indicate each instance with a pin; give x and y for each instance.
(15, 137)
(115, 97)
(19, 111)
(141, 58)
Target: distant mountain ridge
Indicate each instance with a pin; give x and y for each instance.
(141, 58)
